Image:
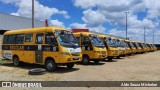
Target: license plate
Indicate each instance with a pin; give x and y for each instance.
(103, 55)
(76, 57)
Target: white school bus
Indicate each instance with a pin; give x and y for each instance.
(49, 46)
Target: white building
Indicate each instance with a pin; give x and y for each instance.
(11, 22)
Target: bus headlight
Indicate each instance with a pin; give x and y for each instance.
(65, 53)
(111, 50)
(97, 51)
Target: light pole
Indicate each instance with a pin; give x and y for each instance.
(126, 23)
(153, 36)
(144, 34)
(32, 13)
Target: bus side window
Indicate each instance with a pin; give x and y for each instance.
(28, 37)
(85, 41)
(78, 39)
(5, 40)
(19, 38)
(39, 38)
(50, 39)
(11, 39)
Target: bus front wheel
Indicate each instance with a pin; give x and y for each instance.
(70, 65)
(118, 57)
(96, 61)
(85, 60)
(16, 61)
(110, 59)
(50, 65)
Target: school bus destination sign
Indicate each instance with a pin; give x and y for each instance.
(16, 47)
(79, 83)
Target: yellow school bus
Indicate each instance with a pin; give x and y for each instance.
(138, 48)
(121, 47)
(155, 48)
(127, 48)
(144, 49)
(93, 48)
(49, 46)
(132, 47)
(112, 49)
(149, 47)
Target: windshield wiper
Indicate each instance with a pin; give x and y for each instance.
(65, 41)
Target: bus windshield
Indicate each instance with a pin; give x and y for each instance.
(137, 45)
(119, 43)
(131, 44)
(66, 38)
(97, 41)
(110, 42)
(125, 44)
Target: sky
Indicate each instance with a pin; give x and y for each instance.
(103, 16)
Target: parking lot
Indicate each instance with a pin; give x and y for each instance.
(140, 67)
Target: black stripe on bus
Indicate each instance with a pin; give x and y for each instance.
(30, 47)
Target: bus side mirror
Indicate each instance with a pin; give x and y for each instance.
(81, 35)
(54, 43)
(86, 42)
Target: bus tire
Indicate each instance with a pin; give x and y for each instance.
(16, 61)
(85, 60)
(110, 59)
(70, 65)
(118, 57)
(37, 71)
(50, 65)
(96, 61)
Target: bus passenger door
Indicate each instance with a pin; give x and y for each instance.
(50, 49)
(29, 48)
(39, 51)
(86, 45)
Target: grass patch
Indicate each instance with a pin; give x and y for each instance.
(2, 61)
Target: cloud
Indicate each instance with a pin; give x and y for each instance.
(10, 1)
(112, 11)
(111, 5)
(15, 14)
(93, 18)
(153, 8)
(41, 12)
(96, 13)
(56, 23)
(99, 28)
(77, 25)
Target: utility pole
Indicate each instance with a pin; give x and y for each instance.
(144, 34)
(153, 36)
(126, 24)
(32, 13)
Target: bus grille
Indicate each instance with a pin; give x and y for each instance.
(123, 52)
(76, 54)
(116, 53)
(103, 52)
